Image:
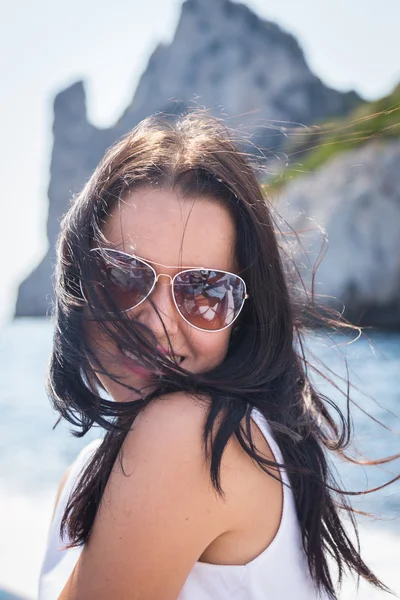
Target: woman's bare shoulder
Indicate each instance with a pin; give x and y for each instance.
(158, 513)
(173, 423)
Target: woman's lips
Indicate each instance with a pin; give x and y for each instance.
(131, 364)
(161, 350)
(167, 353)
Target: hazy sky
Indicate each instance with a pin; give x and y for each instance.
(46, 45)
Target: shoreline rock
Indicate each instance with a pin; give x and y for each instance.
(355, 197)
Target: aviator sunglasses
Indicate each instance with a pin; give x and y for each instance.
(207, 299)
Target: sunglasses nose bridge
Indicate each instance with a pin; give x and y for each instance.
(163, 275)
(166, 305)
(171, 283)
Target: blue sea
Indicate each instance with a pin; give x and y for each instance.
(33, 456)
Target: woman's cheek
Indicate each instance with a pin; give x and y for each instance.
(211, 349)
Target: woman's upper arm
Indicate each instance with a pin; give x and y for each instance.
(154, 521)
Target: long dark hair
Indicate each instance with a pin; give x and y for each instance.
(265, 367)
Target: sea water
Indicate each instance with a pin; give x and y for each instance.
(33, 455)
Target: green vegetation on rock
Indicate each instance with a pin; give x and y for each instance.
(310, 148)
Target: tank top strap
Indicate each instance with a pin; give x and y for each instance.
(265, 429)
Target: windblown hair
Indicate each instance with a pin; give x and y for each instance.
(265, 367)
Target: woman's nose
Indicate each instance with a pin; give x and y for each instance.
(160, 301)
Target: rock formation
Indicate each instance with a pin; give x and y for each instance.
(222, 55)
(355, 197)
(239, 65)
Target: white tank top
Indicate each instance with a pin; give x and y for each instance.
(280, 572)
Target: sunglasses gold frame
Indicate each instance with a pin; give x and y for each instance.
(172, 280)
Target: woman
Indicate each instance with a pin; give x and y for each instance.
(212, 479)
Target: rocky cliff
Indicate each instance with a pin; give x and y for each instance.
(222, 55)
(355, 197)
(239, 65)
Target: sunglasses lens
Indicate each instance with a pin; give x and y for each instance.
(121, 281)
(210, 300)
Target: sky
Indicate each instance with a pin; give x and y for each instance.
(46, 45)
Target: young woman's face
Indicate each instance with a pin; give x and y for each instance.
(164, 229)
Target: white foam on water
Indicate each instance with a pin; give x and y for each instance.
(24, 524)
